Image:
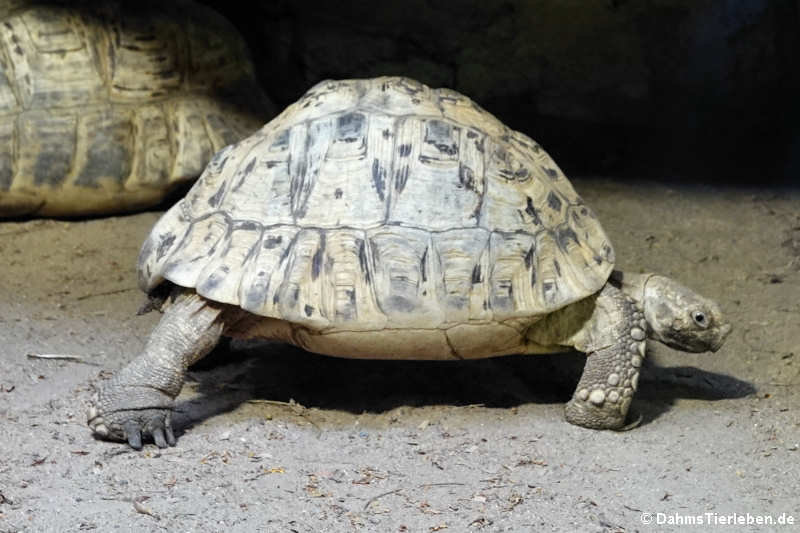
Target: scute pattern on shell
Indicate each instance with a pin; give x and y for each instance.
(382, 203)
(107, 107)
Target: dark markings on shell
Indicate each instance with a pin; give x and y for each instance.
(106, 158)
(362, 258)
(272, 241)
(552, 173)
(295, 296)
(557, 267)
(378, 178)
(308, 310)
(503, 297)
(522, 142)
(471, 134)
(423, 262)
(338, 193)
(316, 261)
(213, 281)
(404, 150)
(522, 174)
(532, 212)
(533, 277)
(51, 167)
(247, 225)
(256, 293)
(219, 160)
(564, 235)
(401, 177)
(400, 303)
(281, 141)
(213, 201)
(386, 133)
(548, 289)
(479, 145)
(165, 241)
(553, 201)
(529, 258)
(438, 133)
(288, 249)
(457, 301)
(466, 177)
(506, 174)
(350, 127)
(249, 168)
(476, 274)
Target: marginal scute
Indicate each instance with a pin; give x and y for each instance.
(382, 204)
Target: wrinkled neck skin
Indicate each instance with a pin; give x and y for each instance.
(635, 287)
(632, 285)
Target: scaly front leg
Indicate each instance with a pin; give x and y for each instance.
(139, 398)
(614, 358)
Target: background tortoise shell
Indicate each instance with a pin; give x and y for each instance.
(107, 108)
(382, 204)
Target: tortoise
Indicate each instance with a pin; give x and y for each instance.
(106, 107)
(380, 218)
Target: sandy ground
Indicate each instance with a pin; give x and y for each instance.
(273, 439)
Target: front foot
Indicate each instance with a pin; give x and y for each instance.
(130, 413)
(588, 415)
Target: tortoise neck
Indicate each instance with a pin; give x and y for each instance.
(631, 284)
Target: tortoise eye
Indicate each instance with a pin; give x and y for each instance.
(700, 318)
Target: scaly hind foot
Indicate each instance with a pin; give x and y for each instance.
(131, 413)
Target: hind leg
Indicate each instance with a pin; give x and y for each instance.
(138, 400)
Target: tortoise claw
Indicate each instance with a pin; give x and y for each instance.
(133, 434)
(170, 435)
(158, 437)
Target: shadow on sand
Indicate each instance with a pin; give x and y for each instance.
(278, 373)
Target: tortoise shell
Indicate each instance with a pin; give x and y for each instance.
(382, 204)
(107, 109)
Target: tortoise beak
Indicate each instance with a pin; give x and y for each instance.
(724, 331)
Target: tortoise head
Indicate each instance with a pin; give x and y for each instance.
(681, 318)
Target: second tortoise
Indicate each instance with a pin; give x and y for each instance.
(384, 219)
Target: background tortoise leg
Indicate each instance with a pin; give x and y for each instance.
(611, 374)
(139, 398)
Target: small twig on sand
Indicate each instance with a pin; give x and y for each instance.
(427, 485)
(104, 293)
(376, 498)
(60, 357)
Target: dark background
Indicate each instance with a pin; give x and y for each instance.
(695, 90)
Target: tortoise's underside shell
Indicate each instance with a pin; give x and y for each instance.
(382, 204)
